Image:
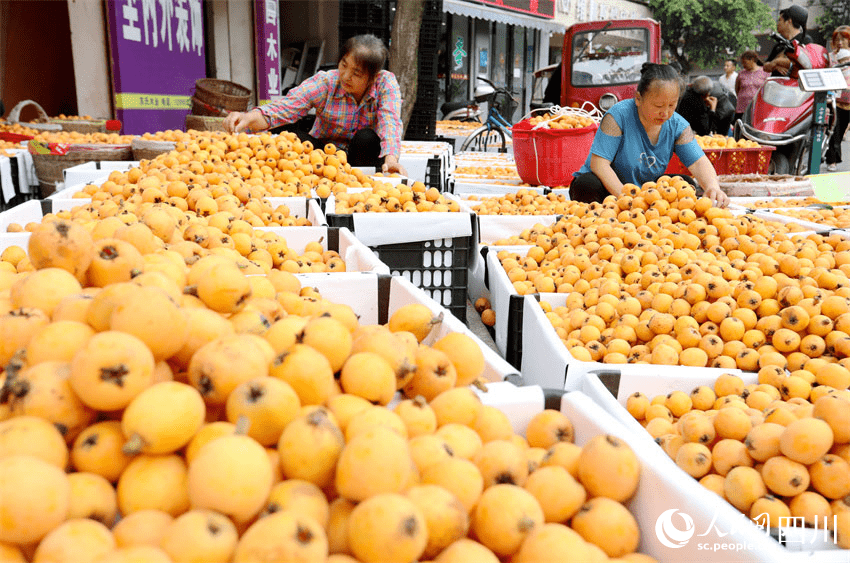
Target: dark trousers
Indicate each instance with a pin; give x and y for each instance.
(833, 152)
(588, 188)
(363, 149)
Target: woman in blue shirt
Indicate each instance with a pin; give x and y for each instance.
(637, 138)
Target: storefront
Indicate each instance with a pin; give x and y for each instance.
(503, 44)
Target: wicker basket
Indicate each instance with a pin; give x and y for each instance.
(82, 125)
(145, 149)
(15, 117)
(204, 123)
(49, 167)
(203, 108)
(222, 94)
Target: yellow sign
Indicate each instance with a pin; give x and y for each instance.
(152, 101)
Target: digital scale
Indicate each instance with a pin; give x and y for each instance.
(819, 81)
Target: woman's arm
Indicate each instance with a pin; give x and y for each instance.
(388, 120)
(292, 107)
(704, 173)
(602, 168)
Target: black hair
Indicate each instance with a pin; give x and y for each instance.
(652, 72)
(733, 61)
(368, 51)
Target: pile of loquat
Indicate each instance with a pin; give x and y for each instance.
(680, 282)
(401, 198)
(777, 450)
(522, 202)
(265, 423)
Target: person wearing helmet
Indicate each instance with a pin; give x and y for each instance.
(791, 24)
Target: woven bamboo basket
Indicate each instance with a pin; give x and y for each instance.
(82, 125)
(43, 123)
(222, 93)
(204, 123)
(145, 149)
(49, 167)
(203, 108)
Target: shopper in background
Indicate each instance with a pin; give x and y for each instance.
(729, 75)
(791, 24)
(750, 79)
(358, 108)
(637, 139)
(700, 107)
(839, 54)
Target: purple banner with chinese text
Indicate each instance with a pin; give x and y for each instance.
(267, 34)
(157, 52)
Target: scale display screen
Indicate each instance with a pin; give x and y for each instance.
(820, 79)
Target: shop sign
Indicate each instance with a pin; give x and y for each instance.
(267, 34)
(157, 53)
(542, 8)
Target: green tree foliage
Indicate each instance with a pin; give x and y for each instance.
(705, 32)
(835, 13)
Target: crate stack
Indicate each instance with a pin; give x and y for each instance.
(358, 17)
(423, 120)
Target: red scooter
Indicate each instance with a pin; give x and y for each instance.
(781, 113)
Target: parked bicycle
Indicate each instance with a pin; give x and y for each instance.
(496, 131)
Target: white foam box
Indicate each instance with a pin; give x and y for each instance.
(610, 390)
(481, 187)
(357, 256)
(546, 361)
(34, 210)
(374, 298)
(496, 227)
(14, 239)
(504, 300)
(660, 493)
(301, 207)
(95, 171)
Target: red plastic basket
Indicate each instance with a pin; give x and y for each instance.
(548, 157)
(753, 160)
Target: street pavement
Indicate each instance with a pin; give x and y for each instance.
(845, 155)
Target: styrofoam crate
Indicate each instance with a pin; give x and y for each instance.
(804, 544)
(660, 493)
(481, 187)
(14, 239)
(376, 297)
(33, 210)
(301, 207)
(357, 256)
(546, 361)
(89, 172)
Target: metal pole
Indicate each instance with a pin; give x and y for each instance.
(819, 124)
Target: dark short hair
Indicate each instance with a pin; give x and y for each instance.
(750, 56)
(798, 15)
(733, 61)
(653, 72)
(368, 51)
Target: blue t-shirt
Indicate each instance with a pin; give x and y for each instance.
(633, 157)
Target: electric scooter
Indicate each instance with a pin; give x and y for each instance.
(780, 115)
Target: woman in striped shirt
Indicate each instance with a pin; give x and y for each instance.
(358, 108)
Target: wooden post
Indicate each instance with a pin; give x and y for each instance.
(404, 52)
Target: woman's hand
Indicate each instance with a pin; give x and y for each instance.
(717, 196)
(237, 121)
(391, 165)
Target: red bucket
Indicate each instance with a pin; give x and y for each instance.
(548, 157)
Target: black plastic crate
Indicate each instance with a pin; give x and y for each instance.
(434, 175)
(513, 344)
(440, 266)
(373, 13)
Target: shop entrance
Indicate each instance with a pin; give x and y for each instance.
(35, 57)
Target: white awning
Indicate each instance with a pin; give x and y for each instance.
(482, 12)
